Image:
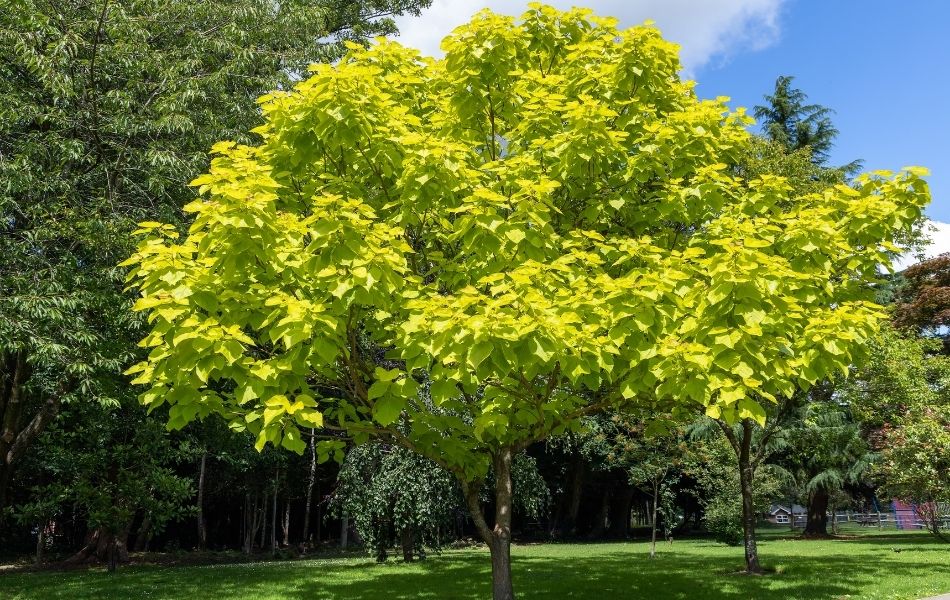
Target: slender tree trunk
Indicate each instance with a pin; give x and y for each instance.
(498, 538)
(273, 523)
(656, 498)
(577, 488)
(344, 530)
(285, 525)
(310, 481)
(40, 540)
(746, 476)
(263, 539)
(202, 527)
(817, 524)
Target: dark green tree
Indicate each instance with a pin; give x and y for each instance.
(107, 110)
(790, 121)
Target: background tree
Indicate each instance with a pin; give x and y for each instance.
(650, 458)
(902, 396)
(107, 109)
(524, 253)
(789, 121)
(113, 473)
(397, 497)
(922, 303)
(824, 452)
(711, 463)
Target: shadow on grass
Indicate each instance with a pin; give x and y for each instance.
(607, 571)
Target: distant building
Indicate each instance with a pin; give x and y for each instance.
(783, 515)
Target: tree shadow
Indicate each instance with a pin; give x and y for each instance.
(589, 572)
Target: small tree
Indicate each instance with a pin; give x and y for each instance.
(396, 496)
(537, 227)
(902, 395)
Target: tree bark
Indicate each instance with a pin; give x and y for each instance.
(273, 522)
(742, 446)
(144, 535)
(746, 477)
(817, 523)
(498, 538)
(105, 546)
(202, 528)
(577, 488)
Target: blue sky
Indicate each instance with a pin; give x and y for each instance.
(882, 66)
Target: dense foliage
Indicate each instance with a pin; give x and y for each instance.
(107, 110)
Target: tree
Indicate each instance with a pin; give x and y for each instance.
(923, 301)
(113, 472)
(394, 496)
(786, 119)
(649, 458)
(711, 462)
(902, 396)
(534, 228)
(825, 452)
(106, 109)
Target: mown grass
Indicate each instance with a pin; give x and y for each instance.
(864, 567)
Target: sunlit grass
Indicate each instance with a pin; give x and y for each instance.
(865, 567)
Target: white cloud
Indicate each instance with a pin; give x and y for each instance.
(939, 243)
(705, 29)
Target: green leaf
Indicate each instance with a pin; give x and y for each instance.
(386, 410)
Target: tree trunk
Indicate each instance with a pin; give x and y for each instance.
(285, 525)
(310, 481)
(656, 499)
(262, 544)
(817, 524)
(577, 488)
(202, 527)
(620, 512)
(746, 476)
(40, 540)
(144, 535)
(107, 547)
(599, 527)
(406, 538)
(273, 523)
(344, 530)
(498, 538)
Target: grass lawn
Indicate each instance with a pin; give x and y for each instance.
(863, 567)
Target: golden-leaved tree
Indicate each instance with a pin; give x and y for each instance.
(466, 255)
